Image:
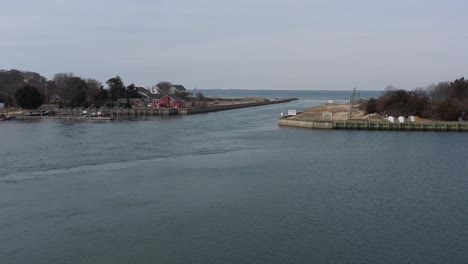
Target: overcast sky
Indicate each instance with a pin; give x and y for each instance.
(242, 44)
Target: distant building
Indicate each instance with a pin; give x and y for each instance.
(122, 102)
(145, 94)
(143, 91)
(172, 90)
(131, 102)
(148, 98)
(55, 99)
(137, 102)
(168, 101)
(177, 89)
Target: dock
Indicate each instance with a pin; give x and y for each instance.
(92, 118)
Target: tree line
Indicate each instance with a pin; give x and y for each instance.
(446, 101)
(30, 90)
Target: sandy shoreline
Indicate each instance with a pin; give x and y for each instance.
(337, 112)
(341, 112)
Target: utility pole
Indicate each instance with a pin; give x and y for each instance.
(46, 97)
(351, 103)
(350, 107)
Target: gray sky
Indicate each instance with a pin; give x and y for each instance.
(242, 44)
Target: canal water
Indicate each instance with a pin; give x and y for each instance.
(230, 187)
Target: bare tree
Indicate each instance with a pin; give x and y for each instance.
(60, 81)
(201, 100)
(164, 88)
(71, 88)
(93, 89)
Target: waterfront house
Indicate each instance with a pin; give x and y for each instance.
(55, 99)
(122, 103)
(168, 101)
(137, 102)
(177, 89)
(144, 93)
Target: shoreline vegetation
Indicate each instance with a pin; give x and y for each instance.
(446, 101)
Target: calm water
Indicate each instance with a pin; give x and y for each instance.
(230, 187)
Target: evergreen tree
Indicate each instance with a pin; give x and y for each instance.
(29, 97)
(116, 88)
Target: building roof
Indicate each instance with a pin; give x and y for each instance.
(173, 97)
(176, 98)
(143, 91)
(148, 94)
(180, 88)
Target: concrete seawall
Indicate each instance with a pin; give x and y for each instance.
(77, 113)
(192, 111)
(365, 125)
(306, 124)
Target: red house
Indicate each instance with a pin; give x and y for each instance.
(168, 101)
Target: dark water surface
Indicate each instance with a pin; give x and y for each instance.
(230, 187)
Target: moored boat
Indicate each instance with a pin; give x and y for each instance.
(4, 117)
(38, 113)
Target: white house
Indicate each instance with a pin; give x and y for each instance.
(173, 90)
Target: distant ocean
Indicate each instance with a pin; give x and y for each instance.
(300, 94)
